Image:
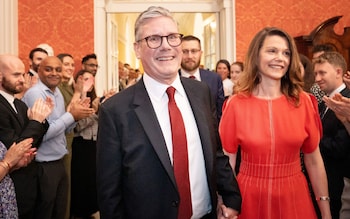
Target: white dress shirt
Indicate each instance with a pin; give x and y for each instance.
(10, 98)
(200, 196)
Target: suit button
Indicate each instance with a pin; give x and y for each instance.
(175, 203)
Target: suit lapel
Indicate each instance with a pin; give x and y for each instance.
(345, 92)
(197, 104)
(145, 113)
(203, 76)
(19, 113)
(7, 106)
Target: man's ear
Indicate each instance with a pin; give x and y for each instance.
(137, 49)
(340, 72)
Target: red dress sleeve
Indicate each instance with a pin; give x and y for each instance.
(227, 127)
(313, 123)
(318, 119)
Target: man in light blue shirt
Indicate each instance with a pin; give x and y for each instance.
(53, 182)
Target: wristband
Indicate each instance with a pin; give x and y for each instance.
(323, 198)
(5, 165)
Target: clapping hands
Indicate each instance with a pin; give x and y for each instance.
(41, 109)
(80, 109)
(20, 154)
(340, 105)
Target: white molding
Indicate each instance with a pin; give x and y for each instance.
(234, 35)
(176, 6)
(226, 8)
(9, 27)
(227, 31)
(100, 45)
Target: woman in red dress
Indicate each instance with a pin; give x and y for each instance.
(271, 118)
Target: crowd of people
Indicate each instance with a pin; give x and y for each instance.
(267, 138)
(48, 113)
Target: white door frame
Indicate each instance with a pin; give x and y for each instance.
(225, 9)
(9, 27)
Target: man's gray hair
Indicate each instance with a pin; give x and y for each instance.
(151, 12)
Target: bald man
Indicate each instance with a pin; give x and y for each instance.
(53, 182)
(17, 124)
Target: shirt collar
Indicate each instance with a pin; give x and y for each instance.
(42, 86)
(33, 72)
(156, 89)
(187, 75)
(9, 97)
(338, 90)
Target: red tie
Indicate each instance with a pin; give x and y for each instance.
(180, 156)
(193, 77)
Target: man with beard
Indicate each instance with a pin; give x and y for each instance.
(17, 122)
(36, 56)
(89, 63)
(192, 52)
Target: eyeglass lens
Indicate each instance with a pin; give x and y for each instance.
(92, 65)
(156, 41)
(192, 51)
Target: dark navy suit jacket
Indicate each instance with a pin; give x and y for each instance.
(214, 82)
(335, 150)
(135, 177)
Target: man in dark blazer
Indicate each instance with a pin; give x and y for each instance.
(17, 124)
(190, 68)
(329, 69)
(135, 174)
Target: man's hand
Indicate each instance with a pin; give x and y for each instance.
(80, 109)
(224, 212)
(97, 101)
(339, 105)
(108, 94)
(41, 109)
(227, 213)
(346, 79)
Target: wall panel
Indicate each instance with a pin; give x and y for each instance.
(68, 26)
(298, 17)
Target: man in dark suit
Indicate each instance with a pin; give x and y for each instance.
(329, 69)
(191, 58)
(36, 56)
(137, 161)
(340, 105)
(17, 124)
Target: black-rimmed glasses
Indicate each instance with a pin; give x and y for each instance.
(192, 51)
(155, 41)
(92, 65)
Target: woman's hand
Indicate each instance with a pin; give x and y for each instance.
(20, 154)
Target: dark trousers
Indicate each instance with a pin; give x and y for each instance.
(26, 186)
(53, 190)
(84, 188)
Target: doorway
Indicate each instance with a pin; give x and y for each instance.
(210, 20)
